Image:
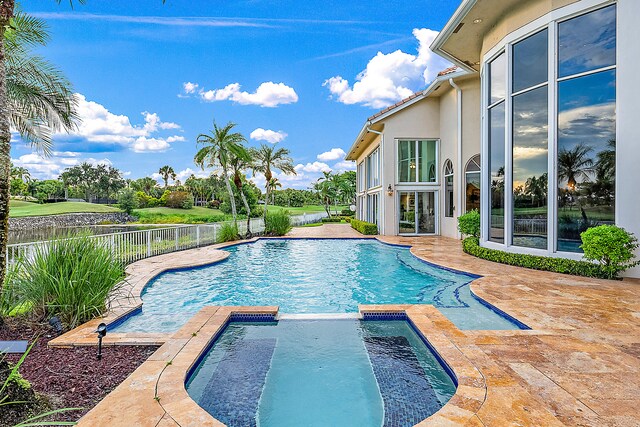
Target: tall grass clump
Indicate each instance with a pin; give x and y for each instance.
(277, 223)
(228, 232)
(71, 278)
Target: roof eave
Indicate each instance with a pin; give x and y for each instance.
(455, 20)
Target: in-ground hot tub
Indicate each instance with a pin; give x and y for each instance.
(320, 373)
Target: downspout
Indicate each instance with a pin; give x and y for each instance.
(382, 193)
(460, 174)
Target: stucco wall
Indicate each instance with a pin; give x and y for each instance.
(628, 111)
(527, 11)
(418, 121)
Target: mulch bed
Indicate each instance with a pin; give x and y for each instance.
(71, 377)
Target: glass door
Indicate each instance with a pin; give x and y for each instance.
(417, 212)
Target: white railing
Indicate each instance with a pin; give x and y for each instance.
(130, 246)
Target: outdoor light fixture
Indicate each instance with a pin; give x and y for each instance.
(389, 190)
(55, 323)
(101, 331)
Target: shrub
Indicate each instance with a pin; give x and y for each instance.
(364, 227)
(145, 201)
(71, 278)
(127, 201)
(469, 223)
(347, 212)
(164, 197)
(277, 223)
(214, 204)
(228, 232)
(611, 246)
(178, 200)
(332, 219)
(557, 265)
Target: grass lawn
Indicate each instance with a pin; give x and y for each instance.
(163, 215)
(196, 210)
(305, 209)
(315, 224)
(19, 208)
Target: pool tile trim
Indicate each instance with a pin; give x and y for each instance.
(155, 393)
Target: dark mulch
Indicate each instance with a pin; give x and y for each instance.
(71, 377)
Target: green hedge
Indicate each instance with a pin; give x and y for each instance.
(364, 227)
(557, 265)
(332, 219)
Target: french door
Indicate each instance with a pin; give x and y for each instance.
(417, 212)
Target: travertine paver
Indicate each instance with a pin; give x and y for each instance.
(578, 365)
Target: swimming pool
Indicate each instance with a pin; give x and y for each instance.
(311, 276)
(297, 373)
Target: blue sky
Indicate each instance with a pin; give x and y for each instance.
(151, 77)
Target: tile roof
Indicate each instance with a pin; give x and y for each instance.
(444, 72)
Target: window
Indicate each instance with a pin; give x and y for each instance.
(586, 125)
(361, 177)
(373, 169)
(530, 141)
(417, 161)
(472, 184)
(373, 201)
(448, 189)
(571, 62)
(496, 147)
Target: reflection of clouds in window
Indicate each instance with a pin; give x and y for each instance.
(530, 61)
(497, 84)
(587, 42)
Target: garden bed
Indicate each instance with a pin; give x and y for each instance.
(69, 377)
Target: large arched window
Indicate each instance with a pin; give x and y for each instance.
(472, 184)
(448, 189)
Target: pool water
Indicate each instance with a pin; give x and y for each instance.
(311, 276)
(320, 373)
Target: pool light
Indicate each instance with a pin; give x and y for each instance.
(101, 331)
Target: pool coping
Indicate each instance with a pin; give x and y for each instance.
(142, 272)
(155, 393)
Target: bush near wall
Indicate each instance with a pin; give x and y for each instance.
(364, 227)
(557, 265)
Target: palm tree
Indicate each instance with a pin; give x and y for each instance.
(238, 166)
(18, 172)
(267, 158)
(606, 164)
(218, 149)
(273, 185)
(167, 172)
(326, 190)
(35, 98)
(575, 164)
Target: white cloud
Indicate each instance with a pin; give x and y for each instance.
(189, 87)
(268, 94)
(333, 154)
(268, 135)
(98, 125)
(313, 167)
(50, 167)
(390, 77)
(345, 165)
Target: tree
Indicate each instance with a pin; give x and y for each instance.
(18, 172)
(273, 185)
(238, 166)
(575, 164)
(326, 190)
(35, 98)
(218, 148)
(167, 172)
(266, 159)
(146, 185)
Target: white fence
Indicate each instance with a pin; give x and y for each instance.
(131, 246)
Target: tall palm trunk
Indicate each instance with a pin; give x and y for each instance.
(248, 209)
(232, 199)
(6, 12)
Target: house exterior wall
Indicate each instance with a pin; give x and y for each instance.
(628, 133)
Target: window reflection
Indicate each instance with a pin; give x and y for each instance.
(586, 156)
(424, 163)
(497, 79)
(472, 184)
(407, 161)
(530, 61)
(496, 166)
(448, 189)
(530, 179)
(587, 42)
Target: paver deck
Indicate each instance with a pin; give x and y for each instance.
(578, 365)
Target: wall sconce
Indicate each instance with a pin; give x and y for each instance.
(389, 190)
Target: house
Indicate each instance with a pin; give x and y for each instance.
(536, 118)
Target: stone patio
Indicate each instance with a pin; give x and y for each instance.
(578, 365)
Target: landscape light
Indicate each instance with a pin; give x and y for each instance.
(101, 331)
(55, 323)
